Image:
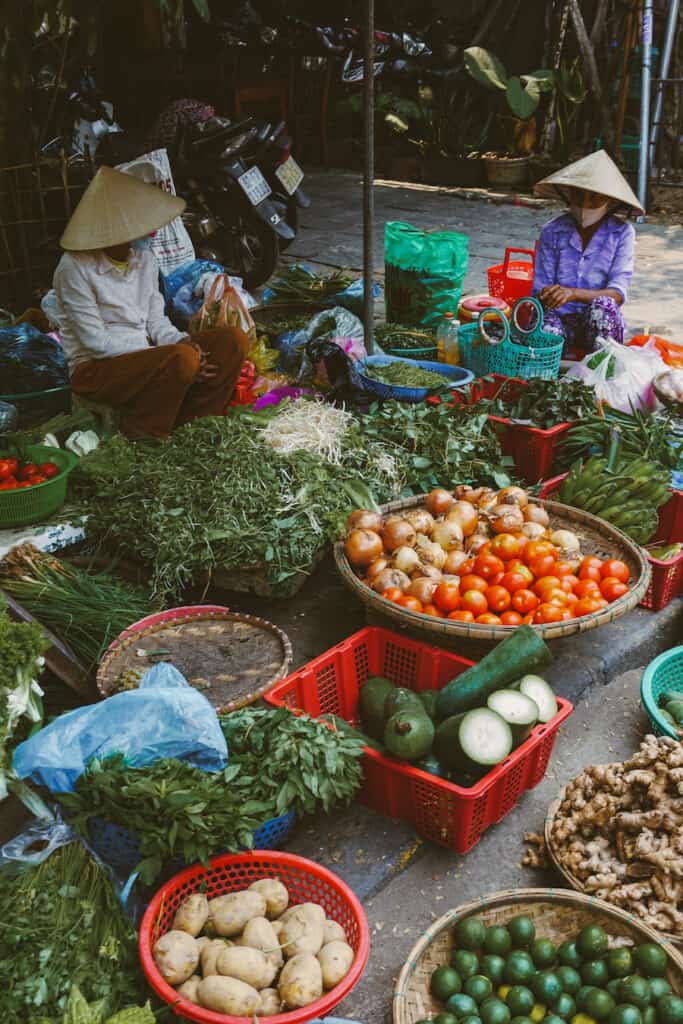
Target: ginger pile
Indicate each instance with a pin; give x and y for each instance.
(619, 831)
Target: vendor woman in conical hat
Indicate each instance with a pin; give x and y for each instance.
(584, 258)
(121, 348)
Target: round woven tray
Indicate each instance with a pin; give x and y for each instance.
(557, 914)
(233, 659)
(571, 879)
(597, 538)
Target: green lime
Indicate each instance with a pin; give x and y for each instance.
(445, 981)
(581, 996)
(465, 962)
(625, 1014)
(670, 1010)
(594, 972)
(497, 940)
(492, 967)
(552, 1018)
(635, 991)
(650, 959)
(494, 1011)
(546, 986)
(445, 1018)
(613, 986)
(619, 962)
(564, 1006)
(649, 1015)
(471, 1018)
(570, 979)
(582, 1018)
(522, 1020)
(469, 933)
(543, 952)
(538, 1013)
(659, 987)
(522, 931)
(479, 987)
(568, 954)
(599, 1004)
(461, 1005)
(519, 968)
(591, 942)
(521, 1000)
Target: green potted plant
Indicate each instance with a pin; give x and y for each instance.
(518, 99)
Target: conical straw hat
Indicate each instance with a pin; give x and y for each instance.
(596, 172)
(117, 208)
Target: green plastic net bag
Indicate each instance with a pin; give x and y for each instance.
(424, 272)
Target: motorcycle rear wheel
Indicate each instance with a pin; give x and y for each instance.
(250, 249)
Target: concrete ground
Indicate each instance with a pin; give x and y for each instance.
(331, 234)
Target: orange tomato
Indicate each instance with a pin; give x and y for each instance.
(511, 618)
(563, 569)
(474, 601)
(586, 588)
(520, 567)
(528, 619)
(431, 609)
(446, 597)
(488, 619)
(567, 614)
(612, 589)
(472, 582)
(543, 565)
(601, 602)
(568, 582)
(496, 580)
(505, 546)
(591, 561)
(545, 583)
(499, 598)
(571, 600)
(513, 581)
(547, 612)
(392, 594)
(615, 568)
(586, 606)
(590, 572)
(410, 603)
(488, 566)
(524, 601)
(536, 548)
(555, 595)
(467, 567)
(461, 616)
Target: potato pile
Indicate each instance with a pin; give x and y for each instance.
(249, 952)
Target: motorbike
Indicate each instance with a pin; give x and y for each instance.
(273, 153)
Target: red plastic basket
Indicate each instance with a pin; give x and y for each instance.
(305, 881)
(670, 529)
(441, 811)
(512, 279)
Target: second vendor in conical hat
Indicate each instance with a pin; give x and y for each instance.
(121, 348)
(584, 257)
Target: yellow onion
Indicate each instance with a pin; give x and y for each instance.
(439, 501)
(475, 543)
(430, 552)
(423, 589)
(513, 496)
(464, 513)
(390, 578)
(406, 559)
(506, 519)
(487, 499)
(364, 519)
(398, 533)
(454, 560)
(536, 514)
(362, 547)
(448, 534)
(533, 531)
(420, 519)
(463, 492)
(376, 567)
(567, 543)
(429, 571)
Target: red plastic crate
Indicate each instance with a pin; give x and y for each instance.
(512, 279)
(670, 530)
(441, 811)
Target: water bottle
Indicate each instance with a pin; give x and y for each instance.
(448, 349)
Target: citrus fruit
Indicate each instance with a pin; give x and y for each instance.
(445, 1018)
(445, 981)
(494, 1011)
(613, 986)
(619, 962)
(594, 972)
(649, 1015)
(582, 1018)
(519, 968)
(650, 959)
(599, 1003)
(635, 991)
(497, 940)
(469, 933)
(492, 967)
(503, 991)
(659, 987)
(543, 952)
(591, 942)
(546, 986)
(568, 954)
(581, 995)
(564, 1006)
(625, 1014)
(479, 987)
(670, 1010)
(522, 1020)
(471, 1018)
(521, 1000)
(461, 1005)
(538, 1013)
(465, 962)
(522, 929)
(570, 979)
(552, 1018)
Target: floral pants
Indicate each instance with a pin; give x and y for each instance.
(601, 318)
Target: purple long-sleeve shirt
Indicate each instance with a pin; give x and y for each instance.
(606, 262)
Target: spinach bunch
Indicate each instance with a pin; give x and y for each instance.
(542, 403)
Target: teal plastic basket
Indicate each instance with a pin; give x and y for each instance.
(664, 673)
(539, 356)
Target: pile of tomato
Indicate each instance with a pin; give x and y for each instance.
(513, 581)
(15, 475)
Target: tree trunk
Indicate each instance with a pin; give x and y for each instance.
(591, 69)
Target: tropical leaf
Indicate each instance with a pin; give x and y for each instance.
(570, 82)
(202, 9)
(545, 78)
(485, 67)
(522, 97)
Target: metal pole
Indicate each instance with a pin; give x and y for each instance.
(645, 101)
(369, 174)
(669, 36)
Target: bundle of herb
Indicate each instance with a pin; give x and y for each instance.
(79, 1011)
(85, 610)
(21, 659)
(642, 434)
(407, 375)
(296, 284)
(400, 338)
(542, 403)
(61, 924)
(278, 762)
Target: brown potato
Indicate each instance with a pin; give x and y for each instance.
(259, 934)
(274, 893)
(270, 1002)
(188, 989)
(333, 932)
(229, 914)
(228, 995)
(301, 934)
(209, 956)
(301, 981)
(335, 960)
(176, 955)
(312, 910)
(191, 915)
(277, 927)
(248, 965)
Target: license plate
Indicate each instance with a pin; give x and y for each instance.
(290, 174)
(254, 186)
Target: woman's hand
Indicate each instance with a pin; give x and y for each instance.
(556, 295)
(207, 370)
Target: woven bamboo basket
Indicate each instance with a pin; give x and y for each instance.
(597, 538)
(571, 879)
(558, 915)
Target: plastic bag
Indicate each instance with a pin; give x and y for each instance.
(39, 841)
(622, 376)
(223, 307)
(337, 325)
(263, 357)
(164, 717)
(30, 361)
(424, 275)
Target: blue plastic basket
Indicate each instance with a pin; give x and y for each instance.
(119, 848)
(538, 356)
(664, 673)
(458, 376)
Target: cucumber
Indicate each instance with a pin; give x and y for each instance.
(485, 738)
(521, 652)
(518, 710)
(541, 694)
(447, 745)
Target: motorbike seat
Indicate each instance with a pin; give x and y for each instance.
(218, 130)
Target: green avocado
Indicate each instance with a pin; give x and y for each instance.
(371, 698)
(400, 699)
(409, 734)
(428, 699)
(447, 745)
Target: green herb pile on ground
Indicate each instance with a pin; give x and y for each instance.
(79, 1011)
(61, 924)
(278, 762)
(543, 403)
(21, 659)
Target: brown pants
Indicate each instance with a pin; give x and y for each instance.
(155, 388)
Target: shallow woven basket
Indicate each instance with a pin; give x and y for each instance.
(571, 879)
(195, 637)
(597, 538)
(558, 915)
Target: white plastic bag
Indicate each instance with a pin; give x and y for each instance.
(171, 244)
(622, 376)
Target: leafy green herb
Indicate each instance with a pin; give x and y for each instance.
(407, 375)
(542, 403)
(643, 434)
(21, 659)
(397, 337)
(295, 284)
